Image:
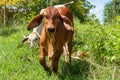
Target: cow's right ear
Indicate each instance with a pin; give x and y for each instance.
(35, 22)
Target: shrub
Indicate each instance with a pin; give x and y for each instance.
(100, 41)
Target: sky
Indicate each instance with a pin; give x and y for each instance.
(98, 10)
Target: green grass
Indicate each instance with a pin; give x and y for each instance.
(19, 62)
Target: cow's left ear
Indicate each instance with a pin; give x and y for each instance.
(67, 22)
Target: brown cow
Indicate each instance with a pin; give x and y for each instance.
(57, 30)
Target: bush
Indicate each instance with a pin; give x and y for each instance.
(103, 42)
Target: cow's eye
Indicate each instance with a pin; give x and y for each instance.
(56, 17)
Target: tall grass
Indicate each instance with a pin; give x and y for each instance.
(19, 62)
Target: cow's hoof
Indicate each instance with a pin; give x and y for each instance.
(47, 68)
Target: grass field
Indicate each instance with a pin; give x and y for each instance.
(19, 62)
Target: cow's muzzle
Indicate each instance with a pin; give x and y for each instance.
(51, 30)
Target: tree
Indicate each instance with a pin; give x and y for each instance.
(109, 10)
(6, 10)
(26, 9)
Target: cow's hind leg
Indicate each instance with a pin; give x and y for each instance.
(66, 52)
(69, 45)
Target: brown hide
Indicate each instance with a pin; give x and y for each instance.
(57, 30)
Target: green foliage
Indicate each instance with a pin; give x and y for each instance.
(93, 20)
(26, 9)
(21, 9)
(100, 41)
(109, 10)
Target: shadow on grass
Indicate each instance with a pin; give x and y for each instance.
(77, 70)
(7, 32)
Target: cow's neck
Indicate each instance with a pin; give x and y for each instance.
(51, 44)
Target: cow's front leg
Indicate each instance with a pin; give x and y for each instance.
(51, 52)
(42, 58)
(55, 60)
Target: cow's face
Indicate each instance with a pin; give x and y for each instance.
(51, 19)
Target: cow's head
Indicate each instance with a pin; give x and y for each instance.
(52, 18)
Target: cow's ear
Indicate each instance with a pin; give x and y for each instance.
(25, 40)
(67, 22)
(35, 22)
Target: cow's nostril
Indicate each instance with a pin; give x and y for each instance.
(51, 29)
